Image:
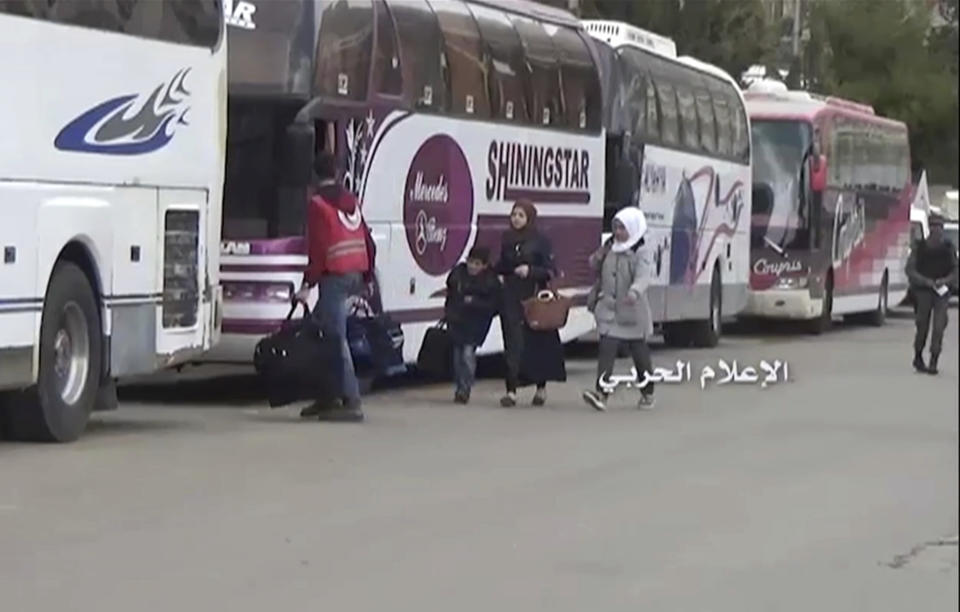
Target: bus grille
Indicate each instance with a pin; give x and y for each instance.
(181, 291)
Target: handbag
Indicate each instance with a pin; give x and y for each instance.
(376, 342)
(436, 352)
(299, 362)
(547, 310)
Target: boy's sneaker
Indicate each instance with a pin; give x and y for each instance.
(597, 400)
(646, 402)
(461, 398)
(509, 400)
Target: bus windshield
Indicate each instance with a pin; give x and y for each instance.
(780, 213)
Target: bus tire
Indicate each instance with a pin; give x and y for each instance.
(58, 407)
(879, 316)
(822, 323)
(706, 334)
(676, 335)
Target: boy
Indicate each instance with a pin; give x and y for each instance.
(473, 294)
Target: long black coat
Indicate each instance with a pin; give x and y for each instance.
(532, 356)
(472, 302)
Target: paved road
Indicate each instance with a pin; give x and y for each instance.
(828, 492)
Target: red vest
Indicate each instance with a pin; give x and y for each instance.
(337, 241)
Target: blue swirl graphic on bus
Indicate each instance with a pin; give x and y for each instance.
(107, 128)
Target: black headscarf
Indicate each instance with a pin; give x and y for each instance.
(513, 235)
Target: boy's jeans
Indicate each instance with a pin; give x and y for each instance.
(464, 367)
(331, 310)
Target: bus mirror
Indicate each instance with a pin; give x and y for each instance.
(762, 197)
(298, 150)
(818, 173)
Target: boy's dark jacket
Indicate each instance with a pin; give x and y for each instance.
(471, 303)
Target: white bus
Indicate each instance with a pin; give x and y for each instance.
(444, 113)
(680, 150)
(113, 118)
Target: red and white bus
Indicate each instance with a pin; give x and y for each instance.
(831, 208)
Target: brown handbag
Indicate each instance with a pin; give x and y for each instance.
(547, 310)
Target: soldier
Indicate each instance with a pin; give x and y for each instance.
(932, 269)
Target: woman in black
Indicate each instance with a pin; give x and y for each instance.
(526, 265)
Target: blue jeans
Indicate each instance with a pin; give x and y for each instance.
(331, 311)
(464, 367)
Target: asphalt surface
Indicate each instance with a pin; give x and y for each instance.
(834, 490)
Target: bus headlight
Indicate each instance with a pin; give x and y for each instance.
(792, 282)
(253, 291)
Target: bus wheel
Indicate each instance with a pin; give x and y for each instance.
(879, 316)
(822, 323)
(58, 407)
(706, 334)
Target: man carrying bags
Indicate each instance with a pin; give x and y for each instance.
(341, 256)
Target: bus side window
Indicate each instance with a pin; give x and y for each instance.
(177, 21)
(387, 76)
(708, 128)
(543, 70)
(580, 81)
(741, 138)
(689, 126)
(344, 50)
(506, 68)
(722, 112)
(653, 117)
(421, 54)
(635, 93)
(669, 131)
(465, 59)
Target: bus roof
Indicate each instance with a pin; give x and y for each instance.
(710, 69)
(617, 34)
(536, 10)
(771, 103)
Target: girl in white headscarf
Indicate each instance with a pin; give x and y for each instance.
(619, 303)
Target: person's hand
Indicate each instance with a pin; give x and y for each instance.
(630, 299)
(300, 297)
(522, 271)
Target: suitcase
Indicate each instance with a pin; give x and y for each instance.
(436, 353)
(376, 343)
(299, 362)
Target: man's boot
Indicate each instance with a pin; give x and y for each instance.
(934, 357)
(918, 364)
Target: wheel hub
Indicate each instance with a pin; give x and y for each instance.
(71, 348)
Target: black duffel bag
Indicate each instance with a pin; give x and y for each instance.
(299, 362)
(436, 353)
(376, 343)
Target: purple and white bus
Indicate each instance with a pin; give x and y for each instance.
(444, 113)
(679, 148)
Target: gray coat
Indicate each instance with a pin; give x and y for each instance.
(620, 275)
